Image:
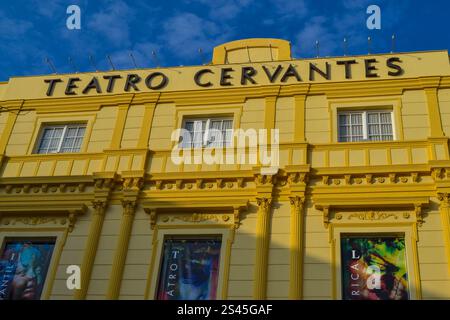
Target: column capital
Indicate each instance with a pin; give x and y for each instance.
(99, 206)
(297, 201)
(444, 198)
(264, 203)
(129, 207)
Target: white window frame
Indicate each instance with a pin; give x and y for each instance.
(63, 136)
(365, 124)
(206, 135)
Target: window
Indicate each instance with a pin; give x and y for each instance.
(23, 268)
(365, 126)
(212, 132)
(61, 138)
(189, 268)
(374, 267)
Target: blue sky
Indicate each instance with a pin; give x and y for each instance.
(31, 30)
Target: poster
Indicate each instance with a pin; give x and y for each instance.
(189, 269)
(374, 268)
(23, 269)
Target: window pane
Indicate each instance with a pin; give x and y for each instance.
(217, 132)
(380, 127)
(356, 118)
(52, 138)
(199, 131)
(227, 127)
(48, 133)
(71, 132)
(77, 145)
(344, 119)
(81, 132)
(385, 117)
(57, 133)
(189, 126)
(373, 118)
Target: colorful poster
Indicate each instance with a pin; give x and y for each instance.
(189, 269)
(374, 268)
(23, 269)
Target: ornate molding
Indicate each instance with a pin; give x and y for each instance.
(419, 214)
(27, 188)
(326, 216)
(196, 217)
(264, 180)
(350, 179)
(371, 215)
(72, 220)
(34, 220)
(104, 183)
(132, 183)
(297, 177)
(240, 182)
(152, 214)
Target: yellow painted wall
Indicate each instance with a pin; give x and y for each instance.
(401, 176)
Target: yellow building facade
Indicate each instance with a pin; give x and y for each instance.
(357, 207)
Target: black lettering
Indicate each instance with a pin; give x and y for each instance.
(274, 76)
(51, 85)
(71, 85)
(162, 84)
(111, 81)
(313, 68)
(370, 68)
(198, 76)
(290, 72)
(247, 75)
(398, 70)
(132, 80)
(93, 84)
(348, 67)
(224, 77)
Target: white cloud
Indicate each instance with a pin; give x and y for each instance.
(290, 8)
(49, 9)
(11, 28)
(185, 33)
(113, 22)
(315, 29)
(357, 4)
(223, 9)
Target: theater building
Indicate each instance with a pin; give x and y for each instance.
(348, 200)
